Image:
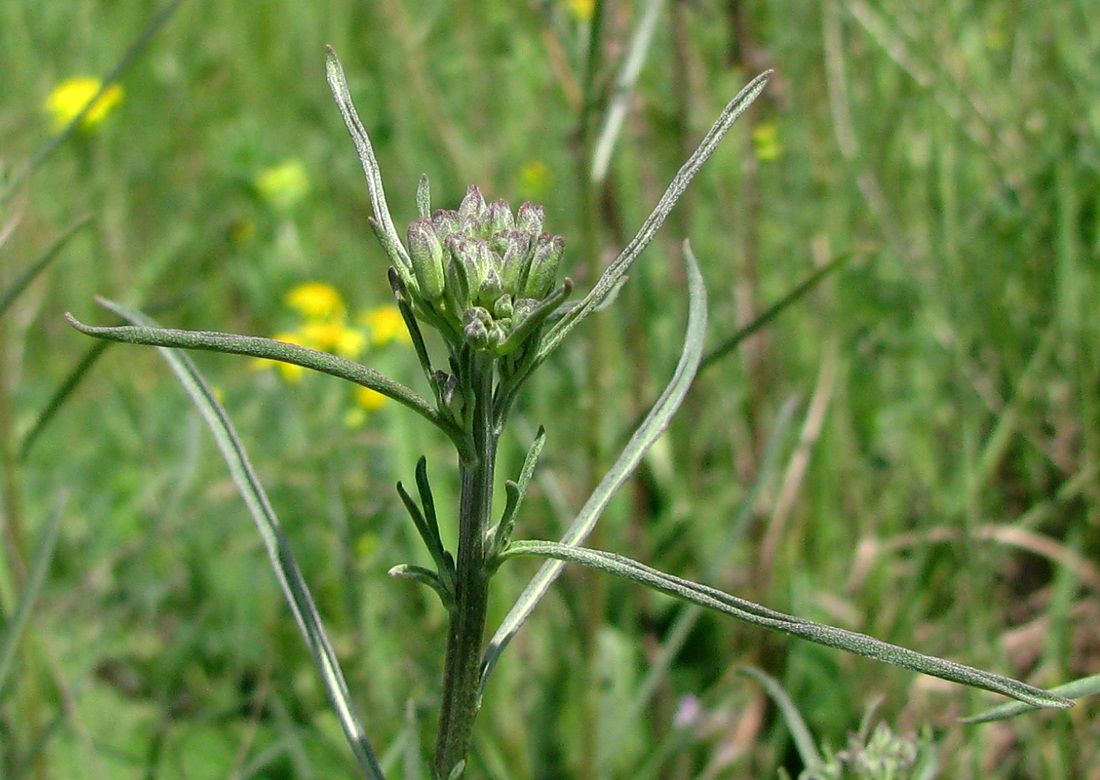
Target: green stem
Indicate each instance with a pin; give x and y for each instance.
(462, 666)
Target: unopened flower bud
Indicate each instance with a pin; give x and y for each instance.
(500, 216)
(490, 289)
(544, 266)
(503, 307)
(445, 222)
(476, 322)
(473, 205)
(529, 218)
(515, 261)
(426, 252)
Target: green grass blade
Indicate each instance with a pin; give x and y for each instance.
(615, 116)
(8, 296)
(1086, 686)
(282, 559)
(800, 732)
(644, 437)
(32, 589)
(859, 644)
(796, 294)
(64, 390)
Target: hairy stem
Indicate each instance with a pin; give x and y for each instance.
(462, 666)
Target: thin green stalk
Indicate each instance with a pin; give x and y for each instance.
(462, 666)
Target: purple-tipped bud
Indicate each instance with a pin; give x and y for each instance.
(476, 323)
(426, 252)
(473, 205)
(471, 259)
(490, 289)
(515, 261)
(544, 266)
(446, 222)
(529, 218)
(500, 216)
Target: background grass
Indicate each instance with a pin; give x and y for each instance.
(912, 452)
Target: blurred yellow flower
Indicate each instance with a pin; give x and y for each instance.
(71, 96)
(290, 372)
(582, 10)
(534, 179)
(765, 139)
(315, 301)
(334, 336)
(371, 400)
(283, 185)
(386, 325)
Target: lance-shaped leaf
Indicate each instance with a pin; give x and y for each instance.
(822, 634)
(391, 241)
(648, 432)
(649, 228)
(282, 560)
(270, 349)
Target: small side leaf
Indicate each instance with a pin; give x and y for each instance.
(407, 571)
(859, 644)
(514, 493)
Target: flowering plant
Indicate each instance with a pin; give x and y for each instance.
(484, 277)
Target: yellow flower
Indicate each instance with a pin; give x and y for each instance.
(385, 325)
(283, 185)
(334, 336)
(315, 301)
(71, 96)
(582, 10)
(534, 180)
(765, 137)
(371, 400)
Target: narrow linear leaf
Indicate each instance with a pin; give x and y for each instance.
(270, 349)
(32, 589)
(800, 732)
(1086, 686)
(8, 296)
(648, 432)
(282, 559)
(339, 85)
(859, 644)
(653, 222)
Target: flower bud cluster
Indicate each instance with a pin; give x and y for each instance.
(483, 270)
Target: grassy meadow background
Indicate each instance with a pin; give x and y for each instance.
(911, 451)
